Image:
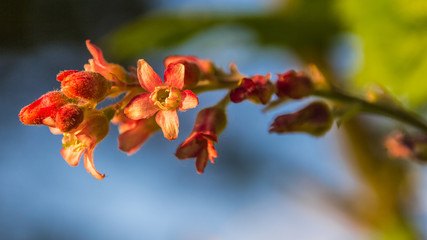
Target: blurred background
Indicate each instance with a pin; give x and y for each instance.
(340, 186)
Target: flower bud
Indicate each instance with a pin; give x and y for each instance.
(206, 66)
(68, 117)
(192, 72)
(62, 75)
(315, 119)
(294, 85)
(45, 107)
(85, 85)
(257, 89)
(400, 145)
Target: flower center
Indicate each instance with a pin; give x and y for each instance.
(70, 140)
(166, 97)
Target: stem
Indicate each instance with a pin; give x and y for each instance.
(215, 86)
(374, 108)
(223, 103)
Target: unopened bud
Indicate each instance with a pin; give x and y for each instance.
(206, 67)
(257, 89)
(85, 85)
(69, 117)
(294, 85)
(315, 119)
(192, 72)
(45, 107)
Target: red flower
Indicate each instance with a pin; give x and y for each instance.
(258, 89)
(200, 144)
(133, 133)
(162, 99)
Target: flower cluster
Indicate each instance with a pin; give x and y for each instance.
(146, 104)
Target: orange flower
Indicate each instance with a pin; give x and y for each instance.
(110, 71)
(162, 99)
(83, 140)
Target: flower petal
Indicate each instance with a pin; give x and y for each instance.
(96, 53)
(188, 100)
(55, 131)
(140, 107)
(189, 148)
(211, 151)
(169, 123)
(72, 155)
(147, 77)
(202, 160)
(90, 167)
(174, 75)
(132, 139)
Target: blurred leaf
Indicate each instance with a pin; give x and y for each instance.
(305, 26)
(394, 34)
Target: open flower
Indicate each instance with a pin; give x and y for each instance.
(133, 133)
(200, 144)
(110, 71)
(258, 89)
(84, 139)
(162, 99)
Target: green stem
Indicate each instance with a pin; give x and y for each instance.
(214, 86)
(375, 108)
(223, 103)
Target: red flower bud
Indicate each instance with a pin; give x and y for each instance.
(257, 89)
(294, 85)
(43, 110)
(315, 119)
(68, 117)
(84, 85)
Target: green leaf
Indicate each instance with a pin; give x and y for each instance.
(394, 35)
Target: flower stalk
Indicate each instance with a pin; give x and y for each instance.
(149, 105)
